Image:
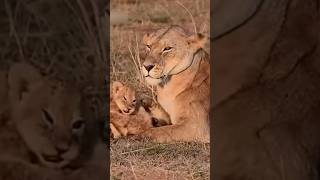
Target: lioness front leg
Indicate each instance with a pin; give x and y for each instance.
(171, 133)
(177, 132)
(190, 124)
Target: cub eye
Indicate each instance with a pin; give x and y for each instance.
(167, 48)
(148, 46)
(134, 100)
(124, 98)
(47, 116)
(78, 124)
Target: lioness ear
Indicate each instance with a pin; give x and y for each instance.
(197, 41)
(21, 78)
(116, 87)
(145, 38)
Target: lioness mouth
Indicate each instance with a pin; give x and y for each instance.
(52, 158)
(150, 76)
(155, 78)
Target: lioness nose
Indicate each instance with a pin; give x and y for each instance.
(148, 67)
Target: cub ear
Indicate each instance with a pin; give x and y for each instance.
(116, 87)
(197, 41)
(22, 77)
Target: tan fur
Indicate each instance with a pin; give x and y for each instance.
(266, 111)
(115, 133)
(26, 135)
(159, 115)
(47, 116)
(135, 121)
(182, 74)
(123, 98)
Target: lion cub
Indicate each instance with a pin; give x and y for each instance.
(45, 132)
(127, 117)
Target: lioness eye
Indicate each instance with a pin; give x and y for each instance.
(167, 48)
(78, 124)
(148, 46)
(134, 100)
(124, 98)
(47, 116)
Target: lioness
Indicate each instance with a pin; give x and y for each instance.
(126, 115)
(176, 63)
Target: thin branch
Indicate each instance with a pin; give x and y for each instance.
(192, 19)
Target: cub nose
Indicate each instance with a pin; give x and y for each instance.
(126, 110)
(62, 149)
(148, 67)
(63, 146)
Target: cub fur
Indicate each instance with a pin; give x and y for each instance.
(46, 115)
(126, 116)
(44, 133)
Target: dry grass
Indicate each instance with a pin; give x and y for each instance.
(130, 19)
(70, 53)
(147, 160)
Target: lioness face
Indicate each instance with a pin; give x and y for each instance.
(124, 97)
(49, 121)
(169, 51)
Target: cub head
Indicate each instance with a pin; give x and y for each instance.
(169, 51)
(124, 97)
(46, 115)
(131, 125)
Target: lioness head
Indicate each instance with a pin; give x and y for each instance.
(124, 97)
(47, 116)
(169, 51)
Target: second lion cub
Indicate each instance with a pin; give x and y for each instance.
(127, 117)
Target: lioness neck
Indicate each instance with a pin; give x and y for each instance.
(179, 82)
